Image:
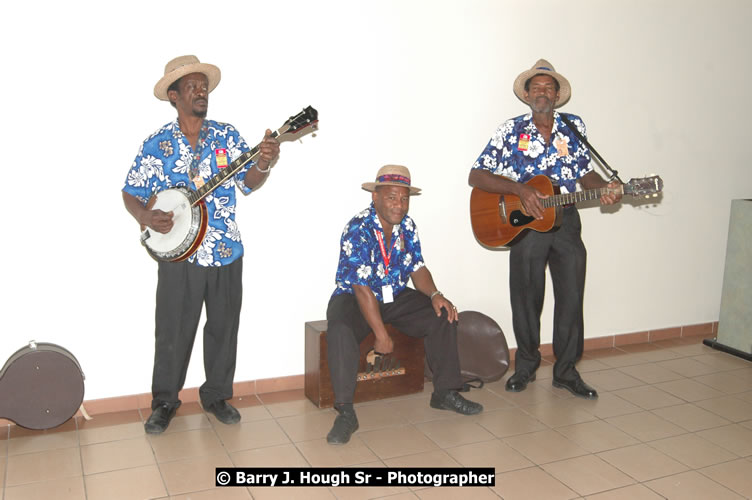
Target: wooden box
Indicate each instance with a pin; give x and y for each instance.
(408, 379)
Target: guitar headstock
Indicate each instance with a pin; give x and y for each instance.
(646, 186)
(306, 118)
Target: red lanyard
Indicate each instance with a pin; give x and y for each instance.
(383, 250)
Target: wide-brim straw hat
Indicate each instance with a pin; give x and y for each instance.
(543, 67)
(181, 66)
(392, 175)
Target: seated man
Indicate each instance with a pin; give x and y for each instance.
(379, 252)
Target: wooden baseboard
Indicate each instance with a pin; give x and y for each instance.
(296, 382)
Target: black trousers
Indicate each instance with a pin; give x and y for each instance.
(183, 289)
(564, 252)
(412, 314)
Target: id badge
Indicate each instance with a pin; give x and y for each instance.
(386, 293)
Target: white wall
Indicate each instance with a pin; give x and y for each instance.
(663, 87)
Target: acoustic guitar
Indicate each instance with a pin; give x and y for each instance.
(499, 219)
(41, 386)
(189, 214)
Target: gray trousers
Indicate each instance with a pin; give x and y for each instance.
(412, 314)
(182, 290)
(564, 253)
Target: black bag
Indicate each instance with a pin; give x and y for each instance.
(482, 348)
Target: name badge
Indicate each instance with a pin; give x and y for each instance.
(221, 155)
(524, 143)
(386, 293)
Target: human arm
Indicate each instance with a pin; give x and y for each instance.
(529, 196)
(269, 151)
(155, 219)
(423, 282)
(592, 180)
(369, 308)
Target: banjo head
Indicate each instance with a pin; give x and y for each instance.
(189, 226)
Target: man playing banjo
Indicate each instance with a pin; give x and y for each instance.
(188, 152)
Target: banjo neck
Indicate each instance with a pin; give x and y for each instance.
(233, 168)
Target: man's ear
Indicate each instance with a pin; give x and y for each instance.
(172, 95)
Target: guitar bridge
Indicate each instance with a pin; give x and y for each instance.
(502, 210)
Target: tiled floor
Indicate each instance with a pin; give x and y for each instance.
(674, 420)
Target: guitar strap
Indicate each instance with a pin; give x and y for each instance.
(614, 173)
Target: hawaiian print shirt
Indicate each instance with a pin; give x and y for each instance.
(164, 161)
(361, 261)
(518, 151)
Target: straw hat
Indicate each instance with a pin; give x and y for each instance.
(392, 175)
(181, 66)
(543, 67)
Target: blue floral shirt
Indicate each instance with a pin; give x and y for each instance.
(164, 161)
(518, 151)
(360, 259)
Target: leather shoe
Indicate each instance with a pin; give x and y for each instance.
(454, 401)
(518, 382)
(578, 387)
(344, 425)
(224, 412)
(160, 418)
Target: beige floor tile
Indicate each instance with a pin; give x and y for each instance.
(193, 474)
(42, 466)
(16, 431)
(397, 441)
(597, 436)
(688, 390)
(694, 349)
(634, 492)
(588, 474)
(731, 382)
(658, 355)
(608, 405)
(691, 486)
(642, 462)
(290, 408)
(376, 416)
(180, 445)
(254, 413)
(648, 397)
(490, 454)
(3, 463)
(505, 423)
(368, 492)
(490, 400)
(296, 493)
(309, 426)
(115, 432)
(729, 407)
(319, 453)
(432, 458)
(446, 493)
(559, 413)
(537, 391)
(545, 446)
(285, 455)
(687, 367)
(646, 426)
(115, 455)
(591, 365)
(416, 410)
(611, 380)
(126, 484)
(736, 475)
(191, 422)
(67, 488)
(735, 438)
(249, 435)
(628, 359)
(693, 451)
(600, 354)
(42, 442)
(454, 432)
(233, 493)
(531, 484)
(650, 373)
(691, 417)
(722, 361)
(744, 396)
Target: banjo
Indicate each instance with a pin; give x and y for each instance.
(188, 207)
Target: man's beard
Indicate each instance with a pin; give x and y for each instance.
(199, 114)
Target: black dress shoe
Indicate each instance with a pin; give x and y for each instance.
(224, 412)
(577, 387)
(160, 418)
(453, 400)
(344, 425)
(518, 382)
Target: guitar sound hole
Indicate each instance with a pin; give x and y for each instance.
(517, 219)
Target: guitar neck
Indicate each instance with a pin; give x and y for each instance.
(562, 199)
(227, 172)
